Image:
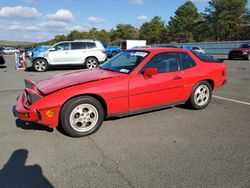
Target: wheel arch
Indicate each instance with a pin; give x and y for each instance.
(95, 96)
(210, 81)
(41, 58)
(91, 57)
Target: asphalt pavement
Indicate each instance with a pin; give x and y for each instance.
(175, 147)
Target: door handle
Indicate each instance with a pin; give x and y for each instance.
(177, 78)
(66, 52)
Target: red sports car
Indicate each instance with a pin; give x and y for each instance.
(132, 82)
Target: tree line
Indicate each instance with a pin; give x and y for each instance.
(222, 20)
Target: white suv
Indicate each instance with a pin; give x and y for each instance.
(88, 53)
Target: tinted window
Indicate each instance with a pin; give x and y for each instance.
(77, 45)
(195, 48)
(91, 45)
(186, 61)
(245, 46)
(164, 62)
(62, 46)
(204, 57)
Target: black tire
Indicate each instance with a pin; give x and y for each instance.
(91, 62)
(248, 56)
(194, 102)
(113, 53)
(230, 58)
(40, 65)
(73, 107)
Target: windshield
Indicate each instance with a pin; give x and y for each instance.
(245, 46)
(204, 57)
(124, 62)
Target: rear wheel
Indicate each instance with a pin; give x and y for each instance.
(91, 62)
(82, 116)
(40, 65)
(201, 95)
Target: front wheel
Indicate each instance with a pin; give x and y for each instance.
(201, 95)
(40, 65)
(91, 62)
(82, 116)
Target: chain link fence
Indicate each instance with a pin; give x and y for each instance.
(222, 47)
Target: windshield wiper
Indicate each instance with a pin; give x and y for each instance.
(108, 69)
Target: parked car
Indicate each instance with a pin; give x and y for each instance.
(28, 52)
(10, 50)
(132, 82)
(40, 51)
(1, 50)
(243, 52)
(2, 60)
(111, 51)
(88, 53)
(198, 49)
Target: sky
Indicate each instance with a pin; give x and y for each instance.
(41, 20)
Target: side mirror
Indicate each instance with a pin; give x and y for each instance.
(149, 72)
(52, 49)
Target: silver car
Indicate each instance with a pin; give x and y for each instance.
(10, 50)
(88, 53)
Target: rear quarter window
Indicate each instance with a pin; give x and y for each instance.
(186, 61)
(205, 57)
(91, 45)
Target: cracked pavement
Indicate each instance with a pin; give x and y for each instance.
(175, 147)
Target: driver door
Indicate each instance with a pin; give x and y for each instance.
(161, 89)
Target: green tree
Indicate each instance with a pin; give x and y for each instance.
(182, 27)
(228, 18)
(153, 31)
(74, 35)
(124, 31)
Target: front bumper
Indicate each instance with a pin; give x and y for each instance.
(21, 111)
(45, 116)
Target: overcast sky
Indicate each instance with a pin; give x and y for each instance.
(40, 20)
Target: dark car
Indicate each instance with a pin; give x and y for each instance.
(2, 61)
(243, 52)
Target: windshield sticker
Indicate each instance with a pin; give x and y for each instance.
(124, 70)
(142, 54)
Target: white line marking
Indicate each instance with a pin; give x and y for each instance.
(232, 100)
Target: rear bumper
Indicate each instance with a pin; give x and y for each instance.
(238, 55)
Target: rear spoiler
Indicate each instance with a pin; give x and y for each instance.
(29, 83)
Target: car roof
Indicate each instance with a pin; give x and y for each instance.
(161, 49)
(85, 40)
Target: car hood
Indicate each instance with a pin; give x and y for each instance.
(73, 78)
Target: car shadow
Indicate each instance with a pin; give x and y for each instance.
(32, 126)
(16, 174)
(2, 67)
(136, 114)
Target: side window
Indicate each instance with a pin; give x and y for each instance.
(91, 45)
(77, 45)
(62, 46)
(164, 62)
(186, 61)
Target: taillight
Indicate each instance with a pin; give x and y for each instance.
(103, 52)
